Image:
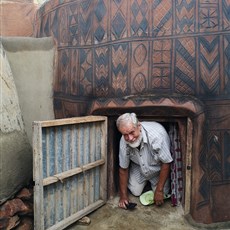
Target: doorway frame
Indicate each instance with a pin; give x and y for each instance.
(165, 106)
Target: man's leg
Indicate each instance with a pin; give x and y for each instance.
(166, 187)
(134, 186)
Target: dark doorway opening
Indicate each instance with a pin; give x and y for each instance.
(189, 115)
(114, 138)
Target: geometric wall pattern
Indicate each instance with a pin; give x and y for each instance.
(115, 48)
(173, 46)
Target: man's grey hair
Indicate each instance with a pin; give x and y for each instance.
(127, 118)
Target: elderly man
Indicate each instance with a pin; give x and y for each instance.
(144, 155)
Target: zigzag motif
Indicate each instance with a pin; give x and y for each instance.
(209, 43)
(101, 55)
(209, 58)
(101, 72)
(209, 47)
(185, 20)
(119, 57)
(226, 13)
(209, 64)
(204, 190)
(215, 173)
(209, 78)
(214, 159)
(119, 74)
(185, 4)
(119, 83)
(102, 87)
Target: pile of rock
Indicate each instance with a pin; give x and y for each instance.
(17, 213)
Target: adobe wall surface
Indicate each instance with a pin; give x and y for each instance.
(109, 50)
(17, 18)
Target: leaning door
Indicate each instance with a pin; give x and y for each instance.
(70, 170)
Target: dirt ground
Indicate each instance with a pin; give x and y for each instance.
(150, 217)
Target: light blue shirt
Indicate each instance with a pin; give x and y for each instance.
(154, 150)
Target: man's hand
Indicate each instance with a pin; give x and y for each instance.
(123, 202)
(159, 198)
(159, 193)
(123, 181)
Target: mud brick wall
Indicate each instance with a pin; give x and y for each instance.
(17, 17)
(115, 48)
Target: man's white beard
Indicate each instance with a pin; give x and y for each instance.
(136, 143)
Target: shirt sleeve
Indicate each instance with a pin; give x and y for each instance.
(124, 158)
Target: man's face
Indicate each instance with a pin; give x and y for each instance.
(130, 132)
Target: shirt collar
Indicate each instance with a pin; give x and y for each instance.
(145, 140)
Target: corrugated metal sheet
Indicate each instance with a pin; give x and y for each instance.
(69, 169)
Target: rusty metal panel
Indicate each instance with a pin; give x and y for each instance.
(69, 169)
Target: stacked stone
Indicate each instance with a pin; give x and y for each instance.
(17, 213)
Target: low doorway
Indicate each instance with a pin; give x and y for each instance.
(177, 129)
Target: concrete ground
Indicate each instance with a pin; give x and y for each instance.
(150, 217)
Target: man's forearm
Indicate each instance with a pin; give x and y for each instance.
(164, 173)
(123, 181)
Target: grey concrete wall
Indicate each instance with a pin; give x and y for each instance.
(26, 83)
(32, 61)
(16, 152)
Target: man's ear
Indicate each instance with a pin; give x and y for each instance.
(139, 125)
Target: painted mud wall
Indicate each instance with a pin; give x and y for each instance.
(17, 17)
(116, 48)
